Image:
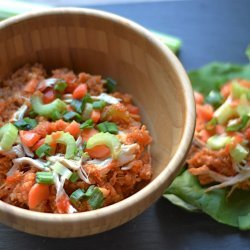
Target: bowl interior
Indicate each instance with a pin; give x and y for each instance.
(84, 43)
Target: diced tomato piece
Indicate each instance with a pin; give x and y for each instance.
(49, 96)
(38, 144)
(226, 89)
(132, 109)
(80, 91)
(31, 86)
(204, 135)
(204, 112)
(247, 133)
(198, 97)
(29, 138)
(219, 129)
(72, 85)
(95, 115)
(73, 129)
(99, 152)
(62, 204)
(87, 133)
(37, 194)
(244, 83)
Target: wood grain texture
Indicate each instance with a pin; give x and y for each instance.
(102, 43)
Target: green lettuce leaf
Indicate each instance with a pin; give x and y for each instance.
(185, 191)
(233, 211)
(248, 52)
(214, 75)
(180, 203)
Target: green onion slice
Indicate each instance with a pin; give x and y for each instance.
(74, 177)
(90, 190)
(26, 123)
(45, 178)
(87, 111)
(60, 85)
(96, 199)
(211, 124)
(71, 115)
(77, 195)
(56, 115)
(87, 124)
(214, 98)
(43, 150)
(79, 105)
(99, 104)
(237, 127)
(107, 127)
(61, 170)
(110, 84)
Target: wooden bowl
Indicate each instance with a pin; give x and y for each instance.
(102, 43)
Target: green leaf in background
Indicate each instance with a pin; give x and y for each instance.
(171, 42)
(233, 211)
(248, 52)
(214, 75)
(14, 7)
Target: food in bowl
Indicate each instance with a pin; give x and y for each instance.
(69, 142)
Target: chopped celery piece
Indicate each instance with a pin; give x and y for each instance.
(238, 90)
(217, 142)
(8, 136)
(61, 170)
(243, 108)
(47, 110)
(107, 139)
(96, 199)
(45, 178)
(224, 112)
(239, 153)
(211, 124)
(63, 138)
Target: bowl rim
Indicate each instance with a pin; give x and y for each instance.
(175, 162)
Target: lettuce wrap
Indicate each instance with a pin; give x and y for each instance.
(186, 191)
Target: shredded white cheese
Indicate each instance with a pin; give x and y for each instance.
(107, 98)
(19, 114)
